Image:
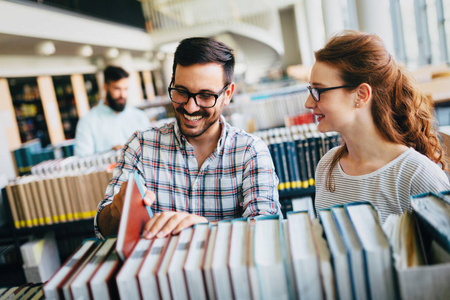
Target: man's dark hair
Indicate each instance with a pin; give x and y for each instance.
(114, 73)
(200, 50)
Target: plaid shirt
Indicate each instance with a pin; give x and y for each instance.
(237, 180)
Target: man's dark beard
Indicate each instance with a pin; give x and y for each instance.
(118, 107)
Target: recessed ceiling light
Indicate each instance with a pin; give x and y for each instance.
(112, 53)
(85, 51)
(46, 48)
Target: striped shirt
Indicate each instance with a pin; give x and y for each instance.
(388, 188)
(237, 180)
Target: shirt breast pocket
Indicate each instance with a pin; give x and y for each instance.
(223, 198)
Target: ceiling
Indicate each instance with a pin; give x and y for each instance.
(23, 45)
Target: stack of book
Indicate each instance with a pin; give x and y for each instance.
(296, 151)
(269, 108)
(31, 153)
(268, 257)
(27, 291)
(343, 254)
(40, 258)
(421, 245)
(59, 190)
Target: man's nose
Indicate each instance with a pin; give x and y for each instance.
(191, 105)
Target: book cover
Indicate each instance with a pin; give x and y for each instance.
(305, 257)
(133, 219)
(379, 271)
(237, 261)
(270, 257)
(219, 264)
(175, 270)
(339, 258)
(354, 252)
(193, 266)
(147, 276)
(53, 287)
(127, 278)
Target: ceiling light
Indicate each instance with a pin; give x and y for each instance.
(85, 51)
(112, 53)
(46, 48)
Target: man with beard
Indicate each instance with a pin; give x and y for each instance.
(197, 168)
(110, 123)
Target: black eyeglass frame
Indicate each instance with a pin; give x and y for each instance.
(320, 91)
(194, 95)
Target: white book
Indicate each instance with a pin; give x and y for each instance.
(207, 263)
(147, 274)
(53, 286)
(103, 284)
(66, 287)
(354, 252)
(377, 251)
(237, 262)
(80, 287)
(305, 257)
(290, 270)
(252, 274)
(175, 269)
(326, 268)
(219, 264)
(341, 267)
(303, 204)
(163, 280)
(269, 258)
(194, 260)
(126, 279)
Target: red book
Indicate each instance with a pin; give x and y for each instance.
(134, 217)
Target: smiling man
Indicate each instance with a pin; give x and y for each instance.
(199, 168)
(111, 122)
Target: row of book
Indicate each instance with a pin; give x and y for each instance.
(40, 257)
(37, 200)
(75, 163)
(32, 153)
(60, 190)
(343, 254)
(296, 151)
(27, 291)
(269, 109)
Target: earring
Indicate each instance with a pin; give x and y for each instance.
(357, 104)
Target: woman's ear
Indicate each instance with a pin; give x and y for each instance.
(364, 94)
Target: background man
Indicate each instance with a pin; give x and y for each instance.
(110, 123)
(197, 168)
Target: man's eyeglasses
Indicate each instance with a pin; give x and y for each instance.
(203, 99)
(315, 92)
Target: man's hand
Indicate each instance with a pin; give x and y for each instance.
(117, 147)
(109, 217)
(162, 224)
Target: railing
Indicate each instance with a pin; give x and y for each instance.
(164, 15)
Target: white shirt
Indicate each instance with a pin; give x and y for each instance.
(102, 128)
(388, 188)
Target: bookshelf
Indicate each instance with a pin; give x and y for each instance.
(29, 111)
(68, 236)
(92, 90)
(66, 104)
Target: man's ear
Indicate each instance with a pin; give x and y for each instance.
(229, 93)
(364, 94)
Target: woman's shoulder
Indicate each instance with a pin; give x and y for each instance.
(419, 160)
